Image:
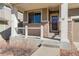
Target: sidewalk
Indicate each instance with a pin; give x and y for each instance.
(47, 51)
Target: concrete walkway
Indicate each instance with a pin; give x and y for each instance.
(47, 51)
(50, 47)
(76, 45)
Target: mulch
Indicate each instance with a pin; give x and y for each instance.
(64, 52)
(15, 52)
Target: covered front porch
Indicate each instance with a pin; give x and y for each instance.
(43, 21)
(49, 21)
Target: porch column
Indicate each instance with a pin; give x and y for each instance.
(64, 22)
(13, 26)
(41, 31)
(26, 23)
(26, 31)
(14, 23)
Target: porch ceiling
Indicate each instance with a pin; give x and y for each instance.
(31, 6)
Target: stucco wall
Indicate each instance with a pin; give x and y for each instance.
(45, 20)
(72, 12)
(44, 14)
(46, 29)
(75, 31)
(34, 29)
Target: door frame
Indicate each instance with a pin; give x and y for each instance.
(71, 18)
(55, 14)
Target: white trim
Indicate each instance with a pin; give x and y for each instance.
(33, 11)
(69, 19)
(42, 31)
(74, 17)
(26, 31)
(14, 24)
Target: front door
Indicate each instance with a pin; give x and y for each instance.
(54, 24)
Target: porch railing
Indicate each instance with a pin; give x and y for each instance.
(20, 30)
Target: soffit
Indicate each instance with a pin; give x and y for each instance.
(31, 6)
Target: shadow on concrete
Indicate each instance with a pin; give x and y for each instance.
(6, 34)
(54, 36)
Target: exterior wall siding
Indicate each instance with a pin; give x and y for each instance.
(34, 29)
(72, 12)
(44, 14)
(45, 20)
(46, 29)
(75, 31)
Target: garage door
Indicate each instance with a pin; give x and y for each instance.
(76, 30)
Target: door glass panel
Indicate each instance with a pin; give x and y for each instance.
(54, 22)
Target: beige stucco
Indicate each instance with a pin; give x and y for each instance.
(73, 26)
(75, 31)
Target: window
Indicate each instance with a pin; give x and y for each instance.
(34, 17)
(3, 25)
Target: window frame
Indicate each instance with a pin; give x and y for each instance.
(34, 11)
